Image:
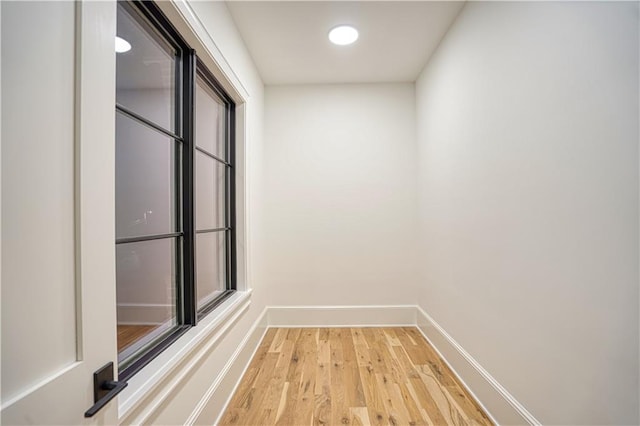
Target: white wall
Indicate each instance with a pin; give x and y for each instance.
(528, 151)
(339, 194)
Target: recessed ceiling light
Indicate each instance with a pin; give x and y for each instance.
(343, 35)
(122, 45)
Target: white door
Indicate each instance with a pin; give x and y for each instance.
(58, 267)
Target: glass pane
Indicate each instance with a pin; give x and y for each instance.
(210, 192)
(146, 199)
(210, 120)
(210, 266)
(146, 274)
(146, 74)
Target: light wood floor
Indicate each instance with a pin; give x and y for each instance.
(349, 376)
(128, 334)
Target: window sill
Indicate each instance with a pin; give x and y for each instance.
(145, 383)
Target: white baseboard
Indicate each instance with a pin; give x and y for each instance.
(501, 406)
(341, 316)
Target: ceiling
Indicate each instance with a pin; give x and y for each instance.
(288, 39)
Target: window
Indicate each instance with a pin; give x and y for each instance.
(175, 206)
(214, 182)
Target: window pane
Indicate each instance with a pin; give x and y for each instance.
(146, 291)
(210, 192)
(146, 198)
(210, 120)
(210, 266)
(146, 74)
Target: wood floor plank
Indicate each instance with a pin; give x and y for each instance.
(300, 340)
(278, 340)
(323, 368)
(396, 411)
(339, 408)
(350, 376)
(446, 405)
(415, 414)
(373, 396)
(378, 359)
(278, 384)
(362, 355)
(354, 395)
(469, 406)
(255, 412)
(358, 337)
(359, 416)
(284, 398)
(426, 401)
(303, 414)
(391, 336)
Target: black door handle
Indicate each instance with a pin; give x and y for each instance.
(104, 388)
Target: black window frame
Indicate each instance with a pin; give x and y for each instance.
(187, 66)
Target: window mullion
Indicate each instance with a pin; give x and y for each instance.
(231, 199)
(188, 198)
